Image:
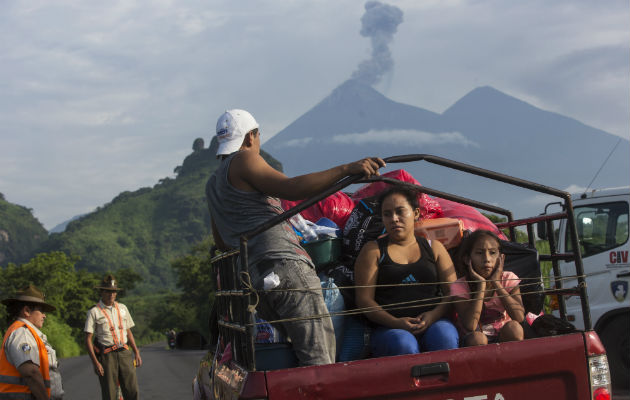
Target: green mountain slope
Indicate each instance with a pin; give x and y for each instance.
(20, 233)
(146, 229)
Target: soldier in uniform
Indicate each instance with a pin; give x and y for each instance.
(110, 343)
(28, 363)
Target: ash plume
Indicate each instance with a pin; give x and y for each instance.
(379, 23)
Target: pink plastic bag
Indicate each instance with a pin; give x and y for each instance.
(471, 218)
(338, 206)
(429, 208)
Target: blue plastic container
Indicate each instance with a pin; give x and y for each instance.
(272, 356)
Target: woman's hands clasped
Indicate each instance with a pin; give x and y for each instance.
(417, 325)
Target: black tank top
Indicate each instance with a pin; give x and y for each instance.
(422, 271)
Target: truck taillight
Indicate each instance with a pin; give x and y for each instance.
(601, 394)
(599, 375)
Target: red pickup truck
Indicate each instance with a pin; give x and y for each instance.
(556, 366)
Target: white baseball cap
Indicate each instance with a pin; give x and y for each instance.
(232, 127)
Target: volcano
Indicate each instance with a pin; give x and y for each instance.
(486, 128)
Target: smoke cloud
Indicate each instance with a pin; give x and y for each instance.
(379, 23)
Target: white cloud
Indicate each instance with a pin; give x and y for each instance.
(297, 142)
(540, 200)
(160, 72)
(404, 137)
(573, 189)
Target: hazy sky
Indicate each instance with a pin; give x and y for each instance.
(102, 97)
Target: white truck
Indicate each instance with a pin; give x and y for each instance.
(601, 218)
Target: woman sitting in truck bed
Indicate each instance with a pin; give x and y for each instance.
(398, 283)
(495, 308)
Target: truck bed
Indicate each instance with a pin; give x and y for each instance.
(552, 367)
(541, 368)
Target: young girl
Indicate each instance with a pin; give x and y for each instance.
(388, 272)
(495, 309)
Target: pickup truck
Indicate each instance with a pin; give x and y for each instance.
(555, 366)
(601, 217)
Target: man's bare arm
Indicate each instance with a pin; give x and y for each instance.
(34, 380)
(249, 171)
(132, 344)
(98, 368)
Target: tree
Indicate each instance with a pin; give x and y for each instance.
(127, 278)
(521, 236)
(194, 278)
(198, 144)
(70, 291)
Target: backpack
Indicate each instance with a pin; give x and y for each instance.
(363, 225)
(550, 325)
(523, 261)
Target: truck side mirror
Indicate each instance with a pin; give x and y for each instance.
(541, 230)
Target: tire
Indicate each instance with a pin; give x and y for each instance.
(615, 335)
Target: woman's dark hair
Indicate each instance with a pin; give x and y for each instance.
(409, 193)
(465, 249)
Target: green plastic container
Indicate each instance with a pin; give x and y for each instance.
(324, 252)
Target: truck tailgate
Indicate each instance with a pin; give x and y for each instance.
(543, 368)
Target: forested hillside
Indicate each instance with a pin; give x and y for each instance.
(155, 240)
(146, 229)
(20, 232)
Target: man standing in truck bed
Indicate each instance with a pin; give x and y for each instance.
(245, 192)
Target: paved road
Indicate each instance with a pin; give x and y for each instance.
(164, 375)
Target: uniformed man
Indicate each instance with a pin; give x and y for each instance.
(110, 323)
(28, 363)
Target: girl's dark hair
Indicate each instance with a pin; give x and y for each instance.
(465, 249)
(409, 193)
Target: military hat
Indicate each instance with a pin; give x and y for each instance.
(31, 295)
(109, 283)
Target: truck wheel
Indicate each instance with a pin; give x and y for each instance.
(615, 336)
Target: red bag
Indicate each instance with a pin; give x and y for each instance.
(336, 207)
(429, 208)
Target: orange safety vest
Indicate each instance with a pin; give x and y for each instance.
(118, 344)
(11, 382)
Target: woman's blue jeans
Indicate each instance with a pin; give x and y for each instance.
(441, 335)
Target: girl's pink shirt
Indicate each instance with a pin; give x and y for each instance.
(493, 308)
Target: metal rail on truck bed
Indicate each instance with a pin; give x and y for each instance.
(235, 306)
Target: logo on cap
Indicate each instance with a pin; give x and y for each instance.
(222, 132)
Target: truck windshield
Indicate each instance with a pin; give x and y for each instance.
(600, 227)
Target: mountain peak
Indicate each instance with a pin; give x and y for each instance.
(352, 107)
(353, 91)
(486, 99)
